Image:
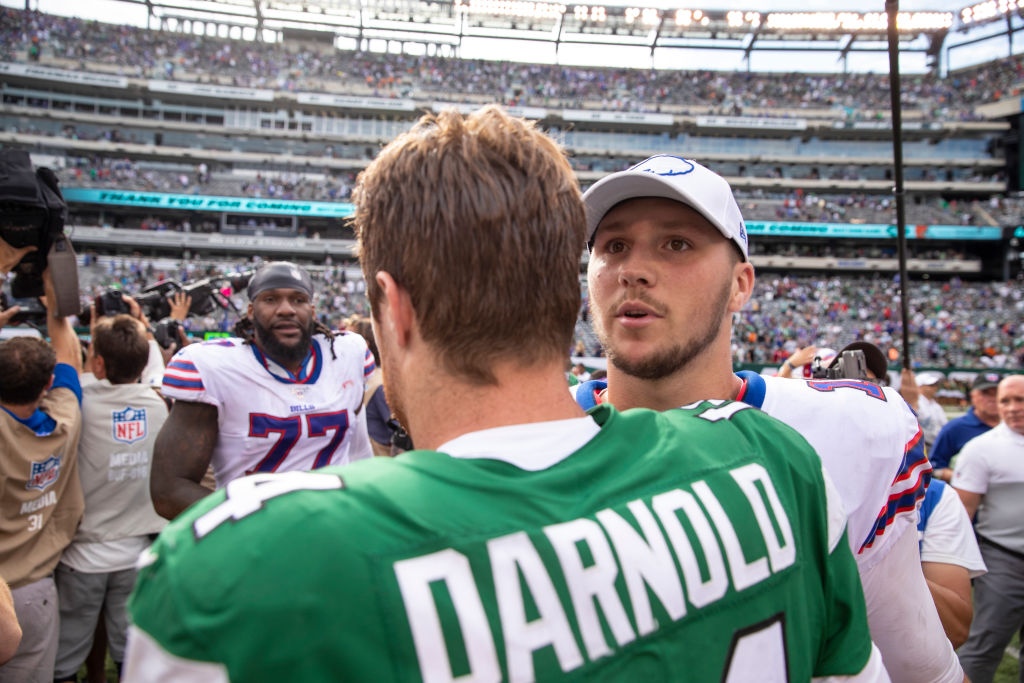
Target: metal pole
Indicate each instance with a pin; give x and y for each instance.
(892, 8)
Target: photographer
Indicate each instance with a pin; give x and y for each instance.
(120, 420)
(41, 498)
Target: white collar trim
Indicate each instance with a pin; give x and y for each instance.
(533, 447)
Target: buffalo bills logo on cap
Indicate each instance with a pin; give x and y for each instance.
(43, 474)
(665, 165)
(129, 425)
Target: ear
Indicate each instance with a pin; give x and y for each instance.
(248, 311)
(742, 285)
(396, 314)
(98, 366)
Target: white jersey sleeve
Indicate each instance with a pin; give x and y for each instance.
(903, 620)
(189, 376)
(949, 537)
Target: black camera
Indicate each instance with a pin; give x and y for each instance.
(31, 310)
(32, 213)
(851, 364)
(167, 332)
(111, 303)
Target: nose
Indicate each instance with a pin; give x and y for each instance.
(285, 307)
(636, 271)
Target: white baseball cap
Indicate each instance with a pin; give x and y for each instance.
(670, 177)
(928, 377)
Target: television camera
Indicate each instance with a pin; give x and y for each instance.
(32, 213)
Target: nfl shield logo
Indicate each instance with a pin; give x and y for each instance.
(43, 473)
(128, 425)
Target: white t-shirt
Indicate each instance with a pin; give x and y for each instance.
(948, 536)
(992, 464)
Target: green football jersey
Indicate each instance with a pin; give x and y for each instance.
(689, 545)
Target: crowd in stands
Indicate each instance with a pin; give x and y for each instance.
(952, 323)
(26, 35)
(864, 208)
(125, 174)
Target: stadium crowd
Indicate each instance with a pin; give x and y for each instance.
(27, 35)
(954, 324)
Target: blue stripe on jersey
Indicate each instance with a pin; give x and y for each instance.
(586, 392)
(916, 467)
(756, 388)
(183, 383)
(185, 365)
(368, 364)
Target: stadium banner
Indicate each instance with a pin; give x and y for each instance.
(617, 117)
(223, 92)
(751, 122)
(50, 74)
(200, 241)
(531, 113)
(199, 202)
(348, 102)
(884, 265)
(886, 125)
(874, 230)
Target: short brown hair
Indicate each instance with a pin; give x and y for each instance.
(121, 343)
(480, 220)
(26, 366)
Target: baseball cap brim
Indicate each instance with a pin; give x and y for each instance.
(986, 380)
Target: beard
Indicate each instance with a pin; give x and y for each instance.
(278, 351)
(660, 364)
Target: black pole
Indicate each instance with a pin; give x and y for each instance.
(892, 8)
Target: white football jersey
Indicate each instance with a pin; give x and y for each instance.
(865, 435)
(269, 419)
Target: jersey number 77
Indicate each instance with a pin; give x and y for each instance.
(290, 429)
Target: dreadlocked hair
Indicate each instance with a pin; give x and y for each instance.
(245, 330)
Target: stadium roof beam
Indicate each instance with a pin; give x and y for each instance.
(754, 35)
(845, 52)
(657, 33)
(259, 20)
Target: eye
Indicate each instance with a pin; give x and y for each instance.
(615, 246)
(677, 244)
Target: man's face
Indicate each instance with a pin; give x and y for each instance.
(984, 402)
(661, 281)
(929, 391)
(283, 324)
(1011, 403)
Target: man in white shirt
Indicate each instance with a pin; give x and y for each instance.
(989, 477)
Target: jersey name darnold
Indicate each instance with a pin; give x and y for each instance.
(672, 549)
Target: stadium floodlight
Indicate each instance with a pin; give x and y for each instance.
(739, 19)
(598, 13)
(511, 8)
(858, 22)
(688, 17)
(988, 11)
